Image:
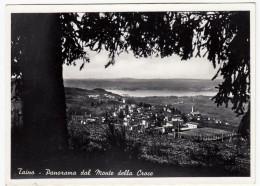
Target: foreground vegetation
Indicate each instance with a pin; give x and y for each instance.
(107, 148)
(230, 157)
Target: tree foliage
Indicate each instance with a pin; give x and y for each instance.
(222, 37)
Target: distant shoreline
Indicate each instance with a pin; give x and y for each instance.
(143, 79)
(161, 93)
(156, 93)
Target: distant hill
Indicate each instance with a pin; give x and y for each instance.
(144, 84)
(83, 93)
(97, 101)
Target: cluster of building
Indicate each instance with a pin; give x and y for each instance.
(155, 119)
(144, 117)
(97, 96)
(87, 119)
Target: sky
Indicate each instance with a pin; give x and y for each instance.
(127, 66)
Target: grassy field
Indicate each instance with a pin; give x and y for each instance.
(204, 132)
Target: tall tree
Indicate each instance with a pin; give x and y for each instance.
(41, 43)
(37, 38)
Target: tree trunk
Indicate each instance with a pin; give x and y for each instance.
(244, 126)
(44, 109)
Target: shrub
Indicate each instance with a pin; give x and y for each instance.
(78, 136)
(119, 144)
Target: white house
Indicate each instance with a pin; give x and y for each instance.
(160, 129)
(93, 96)
(192, 125)
(218, 121)
(169, 124)
(125, 123)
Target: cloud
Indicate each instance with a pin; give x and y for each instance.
(127, 66)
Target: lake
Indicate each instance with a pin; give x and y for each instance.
(162, 93)
(149, 87)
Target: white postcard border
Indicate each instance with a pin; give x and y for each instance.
(126, 8)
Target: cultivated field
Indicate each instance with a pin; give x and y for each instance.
(204, 132)
(207, 134)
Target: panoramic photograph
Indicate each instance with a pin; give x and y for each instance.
(130, 94)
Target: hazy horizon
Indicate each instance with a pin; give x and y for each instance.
(119, 78)
(147, 86)
(127, 66)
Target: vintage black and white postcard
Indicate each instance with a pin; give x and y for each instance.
(144, 93)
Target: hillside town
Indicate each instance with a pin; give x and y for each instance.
(143, 117)
(135, 117)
